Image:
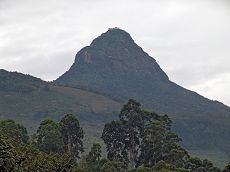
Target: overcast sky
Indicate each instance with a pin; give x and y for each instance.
(190, 39)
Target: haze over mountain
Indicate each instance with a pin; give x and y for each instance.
(104, 76)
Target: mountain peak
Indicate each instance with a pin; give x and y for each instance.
(113, 64)
(116, 29)
(113, 37)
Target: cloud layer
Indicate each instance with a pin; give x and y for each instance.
(189, 39)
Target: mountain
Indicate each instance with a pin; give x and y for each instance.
(104, 76)
(116, 67)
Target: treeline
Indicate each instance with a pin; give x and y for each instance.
(139, 141)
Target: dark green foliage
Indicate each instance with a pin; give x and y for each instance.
(72, 135)
(132, 119)
(198, 165)
(43, 153)
(113, 166)
(144, 136)
(49, 137)
(16, 132)
(113, 136)
(227, 168)
(21, 83)
(94, 155)
(36, 160)
(142, 169)
(102, 162)
(162, 166)
(160, 144)
(27, 158)
(93, 158)
(8, 159)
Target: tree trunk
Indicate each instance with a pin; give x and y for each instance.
(69, 146)
(132, 153)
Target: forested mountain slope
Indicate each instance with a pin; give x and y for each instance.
(29, 100)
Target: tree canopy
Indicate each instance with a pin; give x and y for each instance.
(139, 141)
(14, 131)
(49, 137)
(72, 135)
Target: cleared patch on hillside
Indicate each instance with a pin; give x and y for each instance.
(96, 102)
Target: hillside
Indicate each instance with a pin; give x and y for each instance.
(115, 66)
(30, 100)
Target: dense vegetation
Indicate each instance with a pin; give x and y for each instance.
(22, 83)
(139, 141)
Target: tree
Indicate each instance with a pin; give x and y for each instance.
(94, 155)
(144, 136)
(93, 158)
(151, 147)
(159, 143)
(14, 131)
(72, 135)
(27, 158)
(114, 137)
(49, 138)
(123, 138)
(227, 168)
(8, 161)
(132, 118)
(196, 164)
